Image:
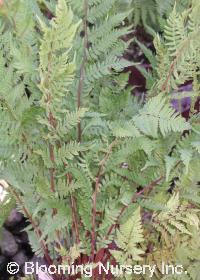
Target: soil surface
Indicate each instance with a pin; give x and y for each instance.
(14, 244)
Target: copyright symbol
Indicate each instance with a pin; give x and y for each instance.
(12, 268)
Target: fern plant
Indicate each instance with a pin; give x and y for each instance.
(152, 14)
(100, 177)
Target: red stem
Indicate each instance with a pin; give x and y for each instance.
(34, 224)
(135, 197)
(82, 69)
(94, 214)
(52, 122)
(52, 170)
(74, 210)
(75, 220)
(94, 201)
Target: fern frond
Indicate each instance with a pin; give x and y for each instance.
(127, 129)
(158, 116)
(129, 236)
(100, 10)
(57, 74)
(176, 218)
(174, 32)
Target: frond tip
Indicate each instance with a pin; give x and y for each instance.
(158, 116)
(129, 236)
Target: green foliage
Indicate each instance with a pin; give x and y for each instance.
(152, 14)
(128, 238)
(7, 203)
(169, 221)
(178, 52)
(95, 170)
(155, 116)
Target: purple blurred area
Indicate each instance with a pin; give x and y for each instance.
(182, 104)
